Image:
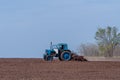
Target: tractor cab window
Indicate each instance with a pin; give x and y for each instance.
(61, 46)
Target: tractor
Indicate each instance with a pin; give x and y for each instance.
(60, 50)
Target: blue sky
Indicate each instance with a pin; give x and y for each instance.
(28, 26)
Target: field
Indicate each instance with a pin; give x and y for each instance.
(37, 69)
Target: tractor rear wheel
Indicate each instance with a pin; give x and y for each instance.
(65, 56)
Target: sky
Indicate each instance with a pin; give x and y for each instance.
(28, 26)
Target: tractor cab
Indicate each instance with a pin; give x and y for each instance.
(62, 46)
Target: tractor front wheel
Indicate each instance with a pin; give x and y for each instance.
(48, 58)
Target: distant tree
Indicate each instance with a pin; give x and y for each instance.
(89, 49)
(117, 51)
(107, 40)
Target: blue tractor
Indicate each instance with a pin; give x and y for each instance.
(60, 50)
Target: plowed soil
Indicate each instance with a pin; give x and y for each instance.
(38, 69)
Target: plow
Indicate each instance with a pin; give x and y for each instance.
(76, 57)
(62, 52)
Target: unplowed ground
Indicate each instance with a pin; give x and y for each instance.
(37, 69)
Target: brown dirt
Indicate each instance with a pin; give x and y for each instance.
(37, 69)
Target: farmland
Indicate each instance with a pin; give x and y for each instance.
(38, 69)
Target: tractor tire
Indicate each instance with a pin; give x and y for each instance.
(44, 57)
(60, 58)
(65, 56)
(48, 58)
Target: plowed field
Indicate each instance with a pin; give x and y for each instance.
(37, 69)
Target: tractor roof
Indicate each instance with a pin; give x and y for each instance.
(62, 44)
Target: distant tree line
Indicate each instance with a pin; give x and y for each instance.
(108, 43)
